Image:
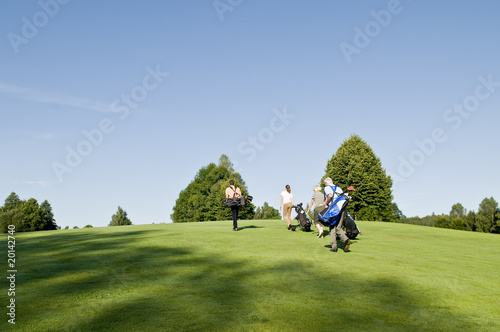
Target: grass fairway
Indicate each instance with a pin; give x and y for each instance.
(205, 277)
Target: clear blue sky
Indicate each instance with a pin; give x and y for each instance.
(120, 103)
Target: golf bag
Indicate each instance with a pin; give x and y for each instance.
(303, 219)
(236, 201)
(350, 227)
(333, 214)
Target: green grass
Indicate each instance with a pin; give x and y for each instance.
(205, 277)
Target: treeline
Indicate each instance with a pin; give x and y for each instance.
(486, 219)
(26, 215)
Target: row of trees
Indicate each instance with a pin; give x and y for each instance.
(486, 219)
(29, 216)
(26, 215)
(354, 164)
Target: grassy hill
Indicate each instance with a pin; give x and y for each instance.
(205, 277)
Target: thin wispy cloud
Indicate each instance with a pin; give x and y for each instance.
(42, 183)
(53, 98)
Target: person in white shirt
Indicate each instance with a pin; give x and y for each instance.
(331, 193)
(287, 202)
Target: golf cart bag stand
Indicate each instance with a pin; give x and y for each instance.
(302, 218)
(350, 227)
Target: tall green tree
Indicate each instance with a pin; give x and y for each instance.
(47, 216)
(486, 217)
(120, 218)
(202, 199)
(355, 164)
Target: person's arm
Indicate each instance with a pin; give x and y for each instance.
(281, 201)
(293, 203)
(227, 195)
(328, 199)
(310, 204)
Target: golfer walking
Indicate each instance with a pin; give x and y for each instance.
(331, 193)
(233, 192)
(287, 201)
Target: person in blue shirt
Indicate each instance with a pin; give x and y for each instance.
(331, 193)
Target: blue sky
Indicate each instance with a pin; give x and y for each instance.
(120, 103)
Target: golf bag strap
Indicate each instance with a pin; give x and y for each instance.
(334, 189)
(234, 191)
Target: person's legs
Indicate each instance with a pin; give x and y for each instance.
(317, 210)
(287, 209)
(340, 232)
(333, 238)
(234, 210)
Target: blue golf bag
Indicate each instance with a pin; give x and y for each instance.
(335, 212)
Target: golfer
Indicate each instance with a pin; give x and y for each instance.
(232, 192)
(331, 193)
(287, 201)
(317, 199)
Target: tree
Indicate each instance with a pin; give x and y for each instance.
(32, 220)
(355, 164)
(26, 216)
(202, 199)
(47, 216)
(457, 223)
(457, 210)
(486, 217)
(120, 218)
(267, 212)
(442, 221)
(397, 213)
(11, 202)
(470, 221)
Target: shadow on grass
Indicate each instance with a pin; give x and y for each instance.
(249, 227)
(113, 282)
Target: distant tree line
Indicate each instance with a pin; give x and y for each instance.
(26, 215)
(267, 212)
(486, 219)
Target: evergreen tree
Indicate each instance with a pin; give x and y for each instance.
(47, 216)
(355, 164)
(120, 218)
(202, 199)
